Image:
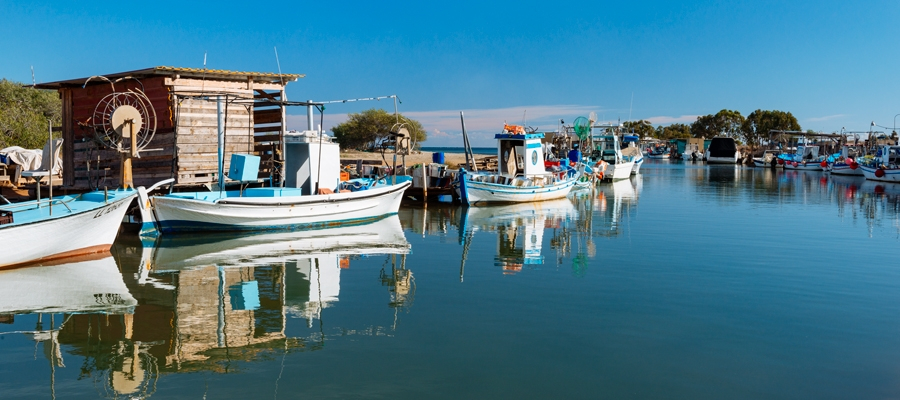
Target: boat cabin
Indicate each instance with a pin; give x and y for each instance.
(607, 148)
(520, 153)
(806, 152)
(889, 156)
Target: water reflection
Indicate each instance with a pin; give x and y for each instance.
(198, 303)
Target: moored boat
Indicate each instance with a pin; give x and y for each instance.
(607, 149)
(885, 166)
(806, 158)
(316, 197)
(521, 175)
(722, 150)
(63, 226)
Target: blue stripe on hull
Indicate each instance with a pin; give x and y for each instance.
(178, 226)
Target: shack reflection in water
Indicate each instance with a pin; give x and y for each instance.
(199, 303)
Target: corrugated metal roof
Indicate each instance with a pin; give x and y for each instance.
(272, 77)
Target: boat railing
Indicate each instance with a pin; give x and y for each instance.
(29, 205)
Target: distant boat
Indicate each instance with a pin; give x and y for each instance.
(806, 158)
(722, 150)
(845, 163)
(521, 176)
(769, 158)
(659, 153)
(63, 226)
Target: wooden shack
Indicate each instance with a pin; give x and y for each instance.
(184, 145)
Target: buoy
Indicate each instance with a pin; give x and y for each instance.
(854, 165)
(794, 164)
(780, 162)
(879, 172)
(848, 161)
(823, 164)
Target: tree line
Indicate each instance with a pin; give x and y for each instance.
(24, 114)
(752, 130)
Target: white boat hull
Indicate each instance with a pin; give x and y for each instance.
(473, 192)
(637, 166)
(66, 233)
(890, 175)
(180, 213)
(619, 171)
(844, 169)
(722, 160)
(810, 166)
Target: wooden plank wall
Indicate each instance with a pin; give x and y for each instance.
(196, 142)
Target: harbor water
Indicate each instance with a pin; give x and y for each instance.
(686, 281)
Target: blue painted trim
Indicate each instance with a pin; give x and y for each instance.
(533, 146)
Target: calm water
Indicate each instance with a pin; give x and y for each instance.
(689, 281)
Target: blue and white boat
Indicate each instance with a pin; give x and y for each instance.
(885, 167)
(64, 226)
(521, 176)
(631, 148)
(606, 148)
(806, 158)
(314, 196)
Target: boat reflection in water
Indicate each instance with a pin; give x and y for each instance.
(610, 205)
(188, 304)
(519, 228)
(63, 297)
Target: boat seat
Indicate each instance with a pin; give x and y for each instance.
(46, 158)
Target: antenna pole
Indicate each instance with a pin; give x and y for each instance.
(221, 136)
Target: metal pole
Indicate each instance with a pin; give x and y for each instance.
(221, 147)
(52, 164)
(309, 116)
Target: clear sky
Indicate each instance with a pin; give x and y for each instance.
(833, 64)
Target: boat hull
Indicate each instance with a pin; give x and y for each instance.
(91, 227)
(619, 171)
(890, 175)
(474, 192)
(637, 166)
(844, 169)
(180, 213)
(810, 166)
(722, 160)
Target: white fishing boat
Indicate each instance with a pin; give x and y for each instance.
(769, 159)
(63, 226)
(885, 167)
(631, 148)
(722, 150)
(846, 162)
(315, 196)
(87, 284)
(806, 158)
(521, 176)
(659, 153)
(607, 149)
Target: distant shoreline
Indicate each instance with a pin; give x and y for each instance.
(459, 150)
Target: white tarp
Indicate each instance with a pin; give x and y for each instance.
(28, 159)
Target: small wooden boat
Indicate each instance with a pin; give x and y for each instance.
(521, 176)
(63, 226)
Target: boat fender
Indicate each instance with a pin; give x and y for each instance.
(823, 164)
(879, 172)
(854, 165)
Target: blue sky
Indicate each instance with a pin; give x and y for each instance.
(833, 64)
